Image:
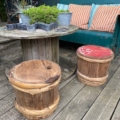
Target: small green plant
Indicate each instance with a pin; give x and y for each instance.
(21, 6)
(43, 13)
(63, 11)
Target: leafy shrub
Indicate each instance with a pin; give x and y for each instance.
(45, 14)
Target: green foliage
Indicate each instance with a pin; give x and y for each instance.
(63, 11)
(21, 6)
(3, 15)
(45, 14)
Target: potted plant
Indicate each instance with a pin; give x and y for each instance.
(20, 7)
(23, 19)
(64, 18)
(45, 17)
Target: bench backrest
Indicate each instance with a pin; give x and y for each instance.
(89, 2)
(84, 2)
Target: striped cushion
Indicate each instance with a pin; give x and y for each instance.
(80, 16)
(104, 18)
(93, 10)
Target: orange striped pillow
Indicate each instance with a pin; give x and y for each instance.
(80, 15)
(105, 18)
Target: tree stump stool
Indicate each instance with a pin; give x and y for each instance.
(93, 64)
(36, 87)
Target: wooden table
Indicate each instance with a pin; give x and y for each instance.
(39, 44)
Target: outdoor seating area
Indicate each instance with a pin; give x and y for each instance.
(77, 100)
(58, 63)
(98, 22)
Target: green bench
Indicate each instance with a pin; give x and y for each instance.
(106, 39)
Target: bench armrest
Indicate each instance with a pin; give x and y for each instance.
(116, 35)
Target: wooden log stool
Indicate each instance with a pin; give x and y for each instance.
(93, 64)
(36, 87)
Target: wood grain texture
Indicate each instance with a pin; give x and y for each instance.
(7, 103)
(38, 101)
(35, 72)
(116, 115)
(45, 99)
(93, 72)
(22, 34)
(5, 90)
(12, 114)
(26, 50)
(80, 103)
(3, 80)
(107, 99)
(9, 51)
(39, 105)
(46, 48)
(67, 94)
(3, 40)
(55, 49)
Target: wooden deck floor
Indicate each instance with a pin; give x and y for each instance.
(77, 102)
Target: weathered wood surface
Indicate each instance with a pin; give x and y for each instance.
(93, 71)
(22, 34)
(105, 104)
(10, 51)
(78, 106)
(46, 48)
(77, 101)
(3, 40)
(116, 115)
(34, 74)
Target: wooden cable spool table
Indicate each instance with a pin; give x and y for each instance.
(36, 87)
(39, 44)
(93, 64)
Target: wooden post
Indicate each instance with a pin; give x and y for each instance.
(46, 48)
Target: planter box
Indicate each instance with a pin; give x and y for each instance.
(46, 27)
(11, 26)
(31, 27)
(64, 19)
(21, 26)
(24, 18)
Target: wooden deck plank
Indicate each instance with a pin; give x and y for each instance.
(3, 40)
(116, 115)
(104, 105)
(85, 103)
(8, 52)
(66, 95)
(12, 114)
(76, 99)
(3, 80)
(9, 46)
(82, 108)
(7, 103)
(5, 90)
(62, 84)
(77, 108)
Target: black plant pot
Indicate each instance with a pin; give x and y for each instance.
(17, 25)
(47, 27)
(21, 26)
(31, 27)
(11, 26)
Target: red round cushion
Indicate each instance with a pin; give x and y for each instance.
(93, 51)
